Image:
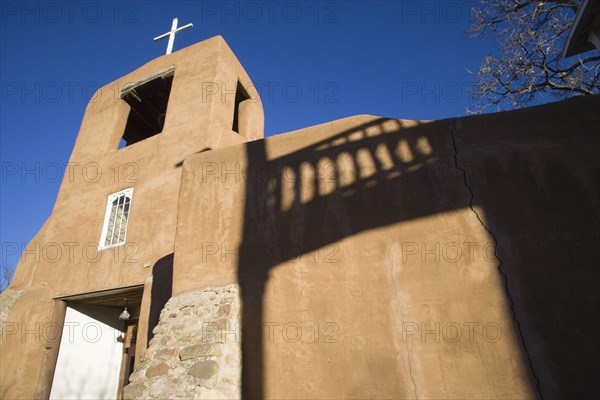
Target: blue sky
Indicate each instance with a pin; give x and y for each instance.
(312, 61)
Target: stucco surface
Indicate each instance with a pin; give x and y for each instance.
(63, 258)
(26, 343)
(390, 259)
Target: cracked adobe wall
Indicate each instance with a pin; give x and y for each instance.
(343, 238)
(383, 258)
(534, 173)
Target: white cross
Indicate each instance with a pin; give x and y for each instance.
(171, 34)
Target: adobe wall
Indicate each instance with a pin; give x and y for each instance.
(63, 259)
(196, 121)
(375, 255)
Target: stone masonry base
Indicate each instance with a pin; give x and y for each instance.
(193, 353)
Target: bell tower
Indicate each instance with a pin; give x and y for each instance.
(116, 210)
(198, 96)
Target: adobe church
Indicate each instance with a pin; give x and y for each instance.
(367, 257)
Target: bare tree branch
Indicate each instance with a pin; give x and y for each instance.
(528, 65)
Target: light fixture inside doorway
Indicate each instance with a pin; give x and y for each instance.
(124, 316)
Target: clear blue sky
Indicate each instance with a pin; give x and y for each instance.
(312, 61)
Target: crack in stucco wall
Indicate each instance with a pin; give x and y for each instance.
(410, 371)
(503, 275)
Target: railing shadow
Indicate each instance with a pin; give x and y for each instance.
(369, 176)
(536, 190)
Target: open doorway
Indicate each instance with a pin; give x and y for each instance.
(98, 345)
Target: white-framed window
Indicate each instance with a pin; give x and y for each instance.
(114, 229)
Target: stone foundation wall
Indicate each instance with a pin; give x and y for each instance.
(194, 352)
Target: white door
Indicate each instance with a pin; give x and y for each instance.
(89, 358)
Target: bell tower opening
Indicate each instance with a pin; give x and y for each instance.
(147, 99)
(238, 115)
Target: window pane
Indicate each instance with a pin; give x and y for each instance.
(116, 220)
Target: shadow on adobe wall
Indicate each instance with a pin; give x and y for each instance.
(372, 175)
(393, 173)
(162, 282)
(540, 197)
